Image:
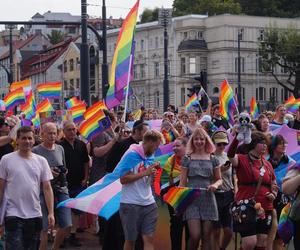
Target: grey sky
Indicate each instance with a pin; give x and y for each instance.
(12, 10)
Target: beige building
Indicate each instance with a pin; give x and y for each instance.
(200, 43)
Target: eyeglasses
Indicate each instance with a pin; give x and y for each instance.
(127, 132)
(221, 144)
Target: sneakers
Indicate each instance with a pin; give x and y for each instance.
(73, 241)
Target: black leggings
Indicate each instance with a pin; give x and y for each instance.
(297, 235)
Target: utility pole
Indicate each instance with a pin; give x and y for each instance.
(10, 27)
(239, 72)
(164, 17)
(84, 56)
(104, 50)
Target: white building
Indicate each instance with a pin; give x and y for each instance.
(201, 43)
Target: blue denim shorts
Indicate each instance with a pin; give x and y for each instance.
(62, 215)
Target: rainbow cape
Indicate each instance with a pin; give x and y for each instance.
(253, 108)
(122, 64)
(192, 101)
(14, 98)
(181, 197)
(50, 89)
(227, 102)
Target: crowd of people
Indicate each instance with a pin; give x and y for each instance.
(239, 190)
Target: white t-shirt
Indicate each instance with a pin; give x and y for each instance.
(23, 182)
(138, 192)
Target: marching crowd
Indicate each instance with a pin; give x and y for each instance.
(239, 190)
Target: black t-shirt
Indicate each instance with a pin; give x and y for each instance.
(220, 122)
(76, 157)
(6, 149)
(295, 124)
(116, 153)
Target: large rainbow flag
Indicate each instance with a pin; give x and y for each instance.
(227, 102)
(50, 89)
(103, 198)
(122, 64)
(14, 98)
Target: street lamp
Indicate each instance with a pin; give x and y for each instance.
(11, 63)
(239, 72)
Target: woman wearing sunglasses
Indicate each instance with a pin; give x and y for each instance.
(224, 194)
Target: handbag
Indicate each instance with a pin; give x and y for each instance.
(243, 212)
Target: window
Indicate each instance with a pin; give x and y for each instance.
(71, 84)
(261, 94)
(273, 94)
(192, 65)
(156, 42)
(182, 96)
(77, 63)
(135, 74)
(258, 64)
(261, 35)
(242, 65)
(182, 66)
(150, 42)
(65, 85)
(185, 35)
(65, 66)
(156, 69)
(71, 65)
(72, 30)
(200, 35)
(77, 83)
(142, 71)
(241, 34)
(142, 45)
(156, 99)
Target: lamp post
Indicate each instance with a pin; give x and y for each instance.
(239, 72)
(164, 17)
(104, 50)
(10, 27)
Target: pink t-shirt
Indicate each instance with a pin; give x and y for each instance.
(23, 183)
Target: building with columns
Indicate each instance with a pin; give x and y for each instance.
(201, 43)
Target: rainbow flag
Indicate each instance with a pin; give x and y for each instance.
(181, 197)
(121, 68)
(285, 226)
(289, 102)
(192, 101)
(36, 121)
(253, 108)
(50, 89)
(90, 127)
(227, 102)
(94, 108)
(295, 106)
(103, 197)
(29, 107)
(14, 98)
(44, 106)
(2, 105)
(72, 102)
(168, 136)
(77, 112)
(25, 84)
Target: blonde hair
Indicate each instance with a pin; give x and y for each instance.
(209, 146)
(152, 135)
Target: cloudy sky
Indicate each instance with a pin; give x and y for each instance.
(16, 10)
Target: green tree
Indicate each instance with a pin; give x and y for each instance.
(281, 47)
(56, 36)
(149, 15)
(210, 7)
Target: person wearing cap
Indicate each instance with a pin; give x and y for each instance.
(224, 194)
(113, 235)
(217, 119)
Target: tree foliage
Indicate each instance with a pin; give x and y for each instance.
(281, 47)
(210, 7)
(56, 36)
(149, 15)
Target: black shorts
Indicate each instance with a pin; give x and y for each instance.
(224, 200)
(260, 227)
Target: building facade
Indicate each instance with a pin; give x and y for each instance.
(198, 43)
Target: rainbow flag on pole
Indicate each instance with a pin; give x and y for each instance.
(253, 108)
(192, 101)
(227, 102)
(50, 89)
(72, 102)
(77, 112)
(29, 107)
(181, 197)
(94, 108)
(121, 68)
(44, 106)
(25, 84)
(292, 104)
(14, 98)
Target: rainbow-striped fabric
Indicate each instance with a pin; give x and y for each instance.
(50, 89)
(14, 98)
(253, 108)
(227, 102)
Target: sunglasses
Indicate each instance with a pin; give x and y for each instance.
(127, 132)
(221, 144)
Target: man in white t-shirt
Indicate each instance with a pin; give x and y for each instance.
(138, 210)
(22, 175)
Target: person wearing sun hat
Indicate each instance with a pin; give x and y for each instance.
(225, 194)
